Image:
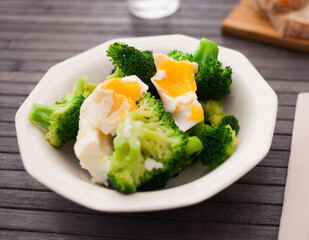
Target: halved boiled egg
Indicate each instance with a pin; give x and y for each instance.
(175, 83)
(100, 115)
(106, 106)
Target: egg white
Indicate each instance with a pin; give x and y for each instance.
(180, 106)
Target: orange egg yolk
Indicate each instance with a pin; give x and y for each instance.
(197, 114)
(179, 77)
(128, 92)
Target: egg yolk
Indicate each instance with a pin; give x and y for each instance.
(123, 91)
(197, 114)
(179, 77)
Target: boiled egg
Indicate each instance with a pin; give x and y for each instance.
(175, 83)
(106, 106)
(100, 114)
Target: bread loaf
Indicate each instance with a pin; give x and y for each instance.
(289, 17)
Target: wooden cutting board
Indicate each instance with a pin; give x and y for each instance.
(245, 22)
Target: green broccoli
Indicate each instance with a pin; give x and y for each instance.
(60, 121)
(131, 61)
(213, 112)
(88, 89)
(206, 51)
(152, 137)
(80, 88)
(219, 143)
(193, 147)
(180, 56)
(212, 81)
(116, 73)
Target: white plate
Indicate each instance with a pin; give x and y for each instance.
(251, 100)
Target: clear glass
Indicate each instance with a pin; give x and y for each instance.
(153, 9)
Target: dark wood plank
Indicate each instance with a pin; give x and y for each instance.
(7, 114)
(18, 76)
(286, 112)
(248, 193)
(176, 22)
(11, 37)
(265, 175)
(284, 127)
(135, 227)
(289, 86)
(11, 161)
(47, 54)
(61, 46)
(281, 142)
(205, 211)
(19, 180)
(284, 74)
(276, 159)
(99, 8)
(7, 101)
(57, 42)
(20, 65)
(9, 145)
(23, 235)
(16, 88)
(7, 129)
(287, 99)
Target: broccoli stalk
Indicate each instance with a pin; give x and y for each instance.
(206, 50)
(213, 112)
(130, 61)
(147, 135)
(116, 73)
(219, 143)
(60, 121)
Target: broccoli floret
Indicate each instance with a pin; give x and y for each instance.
(206, 50)
(60, 121)
(193, 147)
(131, 61)
(149, 53)
(212, 81)
(89, 88)
(180, 56)
(213, 112)
(78, 89)
(156, 182)
(219, 143)
(147, 134)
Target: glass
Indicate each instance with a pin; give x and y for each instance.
(153, 9)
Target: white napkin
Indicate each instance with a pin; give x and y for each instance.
(294, 222)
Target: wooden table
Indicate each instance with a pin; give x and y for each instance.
(35, 35)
